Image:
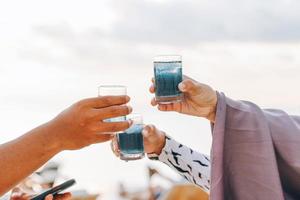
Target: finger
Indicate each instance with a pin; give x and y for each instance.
(173, 107)
(152, 80)
(65, 196)
(17, 194)
(110, 112)
(166, 107)
(152, 89)
(153, 102)
(148, 130)
(113, 126)
(115, 147)
(100, 138)
(190, 86)
(15, 190)
(49, 197)
(21, 197)
(105, 101)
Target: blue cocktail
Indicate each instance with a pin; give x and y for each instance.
(130, 142)
(167, 75)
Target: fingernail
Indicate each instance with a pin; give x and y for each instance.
(182, 86)
(48, 197)
(145, 131)
(16, 194)
(129, 109)
(130, 122)
(127, 98)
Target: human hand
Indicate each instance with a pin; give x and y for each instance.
(154, 141)
(17, 194)
(82, 124)
(199, 100)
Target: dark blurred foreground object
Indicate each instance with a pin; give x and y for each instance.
(45, 179)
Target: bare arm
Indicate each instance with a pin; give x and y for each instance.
(78, 126)
(22, 156)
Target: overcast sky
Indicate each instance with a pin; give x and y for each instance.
(53, 53)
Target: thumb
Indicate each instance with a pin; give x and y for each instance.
(189, 86)
(148, 130)
(49, 197)
(16, 193)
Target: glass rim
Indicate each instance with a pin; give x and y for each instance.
(165, 58)
(112, 86)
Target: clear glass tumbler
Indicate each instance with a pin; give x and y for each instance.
(113, 90)
(167, 75)
(131, 142)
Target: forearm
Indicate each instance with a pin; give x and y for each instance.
(22, 156)
(194, 166)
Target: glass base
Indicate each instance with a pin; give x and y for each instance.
(128, 157)
(169, 99)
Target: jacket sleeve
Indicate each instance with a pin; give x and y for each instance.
(255, 152)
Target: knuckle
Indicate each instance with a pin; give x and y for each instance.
(125, 110)
(114, 128)
(82, 124)
(85, 102)
(151, 128)
(94, 127)
(115, 110)
(80, 104)
(106, 100)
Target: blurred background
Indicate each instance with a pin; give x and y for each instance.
(54, 53)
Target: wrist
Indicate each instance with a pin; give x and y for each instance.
(161, 143)
(213, 109)
(52, 134)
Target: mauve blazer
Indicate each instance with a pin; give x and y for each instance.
(255, 153)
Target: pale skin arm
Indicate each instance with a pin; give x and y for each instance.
(78, 126)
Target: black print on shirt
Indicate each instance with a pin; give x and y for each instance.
(179, 169)
(175, 156)
(193, 166)
(200, 163)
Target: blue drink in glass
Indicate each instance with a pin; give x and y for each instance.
(167, 75)
(131, 142)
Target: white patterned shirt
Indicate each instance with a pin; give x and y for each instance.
(192, 165)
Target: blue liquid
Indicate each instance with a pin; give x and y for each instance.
(131, 141)
(167, 77)
(116, 119)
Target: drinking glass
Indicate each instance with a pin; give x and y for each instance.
(167, 75)
(113, 90)
(131, 142)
